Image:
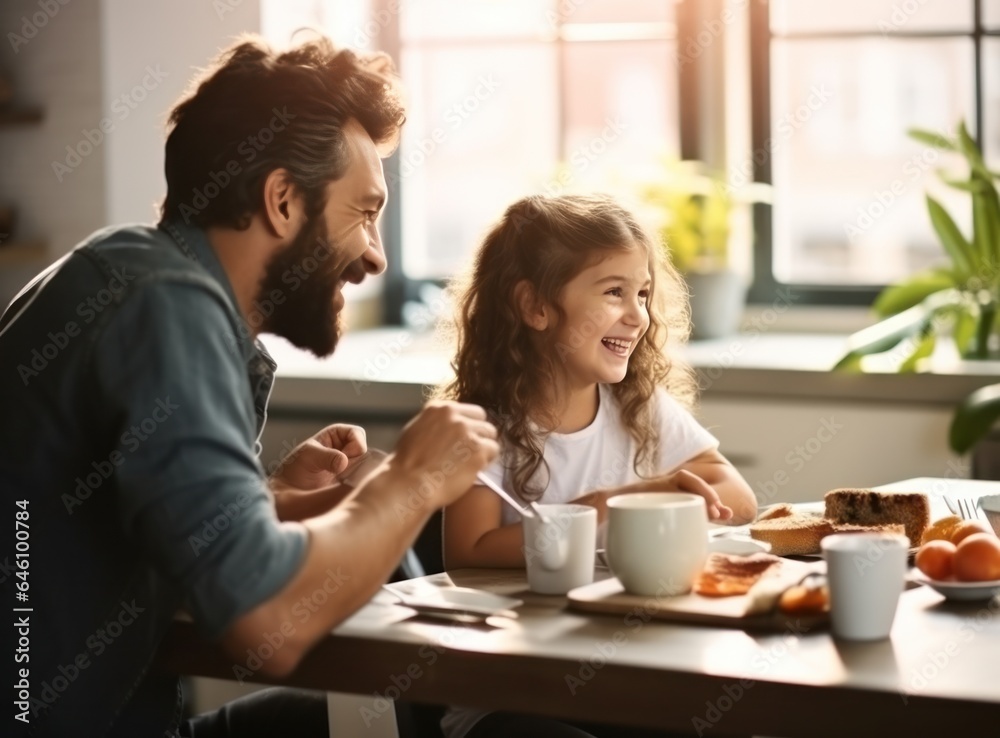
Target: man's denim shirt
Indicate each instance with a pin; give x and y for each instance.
(132, 397)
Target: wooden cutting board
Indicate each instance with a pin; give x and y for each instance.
(753, 611)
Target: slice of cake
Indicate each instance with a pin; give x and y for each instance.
(792, 535)
(867, 507)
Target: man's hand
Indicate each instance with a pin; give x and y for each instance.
(443, 448)
(316, 463)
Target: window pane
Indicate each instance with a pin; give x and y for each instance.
(616, 11)
(885, 16)
(991, 101)
(621, 109)
(481, 132)
(991, 14)
(849, 184)
(346, 22)
(463, 19)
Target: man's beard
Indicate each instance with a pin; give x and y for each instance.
(306, 275)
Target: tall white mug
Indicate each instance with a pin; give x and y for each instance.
(657, 541)
(866, 573)
(560, 552)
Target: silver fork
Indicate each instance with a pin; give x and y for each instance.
(968, 509)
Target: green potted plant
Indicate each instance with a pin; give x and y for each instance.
(695, 205)
(960, 300)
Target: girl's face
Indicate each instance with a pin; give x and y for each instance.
(605, 316)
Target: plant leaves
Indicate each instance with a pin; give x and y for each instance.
(888, 333)
(971, 152)
(899, 297)
(952, 239)
(931, 139)
(923, 348)
(986, 232)
(964, 331)
(974, 418)
(851, 362)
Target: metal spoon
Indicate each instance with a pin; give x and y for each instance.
(532, 511)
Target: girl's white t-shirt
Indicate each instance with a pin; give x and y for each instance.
(600, 455)
(603, 453)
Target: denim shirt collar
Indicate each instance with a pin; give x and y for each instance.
(193, 243)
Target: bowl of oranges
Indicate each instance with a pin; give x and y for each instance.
(960, 559)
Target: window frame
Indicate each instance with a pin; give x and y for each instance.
(399, 287)
(765, 287)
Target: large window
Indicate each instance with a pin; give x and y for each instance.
(511, 97)
(835, 86)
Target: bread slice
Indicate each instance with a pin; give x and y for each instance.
(897, 528)
(868, 507)
(792, 535)
(781, 510)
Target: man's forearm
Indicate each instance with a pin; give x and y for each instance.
(298, 505)
(352, 550)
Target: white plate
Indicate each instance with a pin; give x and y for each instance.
(430, 600)
(962, 590)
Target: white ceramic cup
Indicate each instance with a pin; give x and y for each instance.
(866, 573)
(657, 541)
(560, 553)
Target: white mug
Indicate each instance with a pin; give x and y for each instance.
(560, 552)
(657, 541)
(866, 573)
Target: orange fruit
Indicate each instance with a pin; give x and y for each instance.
(968, 528)
(936, 558)
(942, 529)
(977, 558)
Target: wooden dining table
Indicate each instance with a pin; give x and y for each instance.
(937, 674)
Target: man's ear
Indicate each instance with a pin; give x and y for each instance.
(534, 312)
(283, 206)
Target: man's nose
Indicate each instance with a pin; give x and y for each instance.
(374, 257)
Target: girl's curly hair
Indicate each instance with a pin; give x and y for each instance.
(500, 363)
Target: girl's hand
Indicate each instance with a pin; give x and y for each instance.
(685, 481)
(678, 481)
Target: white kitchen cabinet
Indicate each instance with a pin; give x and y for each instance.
(796, 450)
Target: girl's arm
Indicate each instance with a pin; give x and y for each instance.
(474, 536)
(729, 498)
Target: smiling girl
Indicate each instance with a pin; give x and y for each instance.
(562, 332)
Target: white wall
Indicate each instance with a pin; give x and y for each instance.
(175, 39)
(119, 63)
(55, 66)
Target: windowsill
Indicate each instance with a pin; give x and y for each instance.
(386, 371)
